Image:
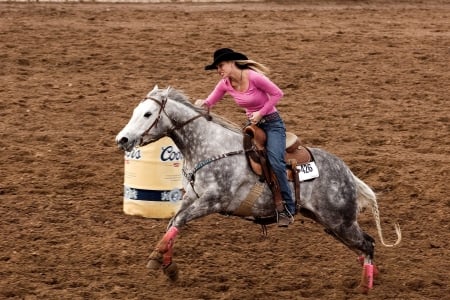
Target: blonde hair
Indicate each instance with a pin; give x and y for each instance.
(251, 64)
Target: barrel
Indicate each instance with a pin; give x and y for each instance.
(152, 180)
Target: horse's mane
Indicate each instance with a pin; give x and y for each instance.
(179, 96)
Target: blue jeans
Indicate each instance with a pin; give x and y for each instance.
(275, 146)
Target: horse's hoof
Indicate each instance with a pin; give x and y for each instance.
(153, 264)
(171, 271)
(364, 289)
(155, 260)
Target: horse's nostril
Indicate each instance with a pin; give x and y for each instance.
(123, 140)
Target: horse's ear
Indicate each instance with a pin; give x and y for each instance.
(166, 92)
(155, 88)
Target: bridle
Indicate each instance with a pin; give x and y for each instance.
(175, 125)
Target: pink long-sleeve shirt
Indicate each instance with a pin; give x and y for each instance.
(262, 94)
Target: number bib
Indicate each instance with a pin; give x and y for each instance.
(307, 171)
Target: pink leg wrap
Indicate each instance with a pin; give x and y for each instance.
(375, 269)
(171, 233)
(167, 245)
(368, 274)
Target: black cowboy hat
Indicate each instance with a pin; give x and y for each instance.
(225, 54)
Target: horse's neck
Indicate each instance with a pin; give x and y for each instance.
(203, 139)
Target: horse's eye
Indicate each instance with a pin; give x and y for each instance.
(147, 115)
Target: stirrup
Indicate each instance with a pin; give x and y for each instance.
(284, 218)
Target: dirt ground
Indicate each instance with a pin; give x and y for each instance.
(365, 80)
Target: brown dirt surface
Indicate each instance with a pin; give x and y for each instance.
(365, 80)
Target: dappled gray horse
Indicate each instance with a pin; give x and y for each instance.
(217, 178)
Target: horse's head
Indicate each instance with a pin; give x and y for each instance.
(148, 122)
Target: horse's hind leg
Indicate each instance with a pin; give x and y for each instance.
(360, 242)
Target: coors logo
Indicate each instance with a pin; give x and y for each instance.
(170, 153)
(133, 154)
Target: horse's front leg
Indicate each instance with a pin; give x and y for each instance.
(161, 257)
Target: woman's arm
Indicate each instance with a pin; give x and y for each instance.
(273, 92)
(216, 95)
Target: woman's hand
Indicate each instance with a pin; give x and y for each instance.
(200, 102)
(255, 117)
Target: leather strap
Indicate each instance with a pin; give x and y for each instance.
(245, 209)
(293, 165)
(272, 181)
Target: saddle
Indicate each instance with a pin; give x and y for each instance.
(296, 154)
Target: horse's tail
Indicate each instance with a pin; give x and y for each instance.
(366, 196)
